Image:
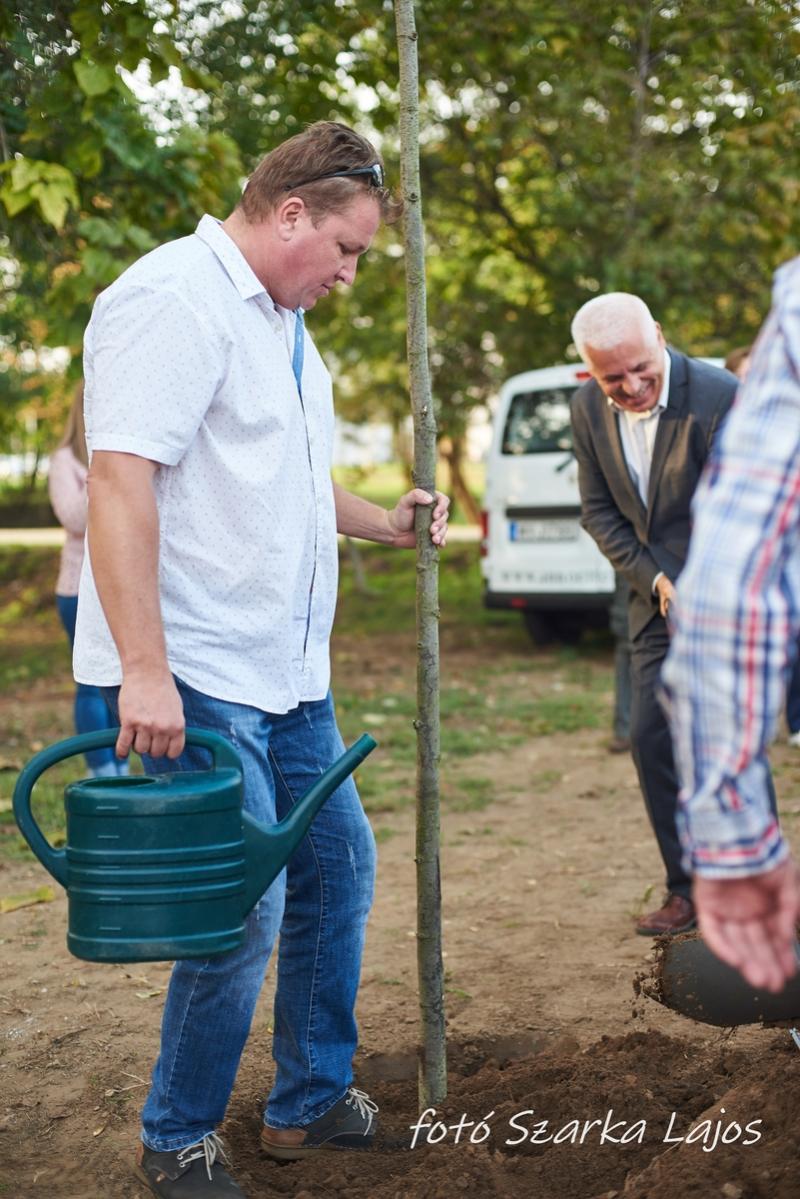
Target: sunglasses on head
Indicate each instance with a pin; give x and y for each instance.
(373, 175)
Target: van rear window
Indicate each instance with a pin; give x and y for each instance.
(538, 422)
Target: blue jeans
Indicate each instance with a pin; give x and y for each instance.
(91, 712)
(319, 904)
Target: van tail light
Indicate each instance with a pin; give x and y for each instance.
(484, 533)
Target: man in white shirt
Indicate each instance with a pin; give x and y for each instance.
(207, 599)
(643, 428)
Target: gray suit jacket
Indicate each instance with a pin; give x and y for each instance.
(639, 541)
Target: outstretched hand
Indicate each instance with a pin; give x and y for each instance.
(401, 517)
(750, 923)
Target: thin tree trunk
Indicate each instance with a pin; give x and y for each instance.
(33, 476)
(433, 1059)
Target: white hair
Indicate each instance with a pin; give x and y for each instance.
(606, 321)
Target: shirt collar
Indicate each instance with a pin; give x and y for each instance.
(231, 258)
(662, 399)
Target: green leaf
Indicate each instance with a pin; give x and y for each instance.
(138, 26)
(86, 21)
(53, 200)
(93, 79)
(101, 266)
(200, 80)
(24, 172)
(49, 183)
(85, 158)
(10, 903)
(159, 70)
(15, 201)
(168, 51)
(101, 231)
(141, 239)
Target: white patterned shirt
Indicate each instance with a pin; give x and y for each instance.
(188, 363)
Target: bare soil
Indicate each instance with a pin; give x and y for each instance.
(545, 1030)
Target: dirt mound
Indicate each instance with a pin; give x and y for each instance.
(644, 1115)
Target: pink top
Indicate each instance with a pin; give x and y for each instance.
(67, 487)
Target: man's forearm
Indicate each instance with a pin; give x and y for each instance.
(357, 517)
(123, 548)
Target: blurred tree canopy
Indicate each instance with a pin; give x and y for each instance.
(86, 185)
(568, 149)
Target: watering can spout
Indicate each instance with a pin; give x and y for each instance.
(267, 848)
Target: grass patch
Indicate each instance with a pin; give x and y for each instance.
(468, 794)
(33, 642)
(567, 714)
(382, 792)
(389, 605)
(545, 780)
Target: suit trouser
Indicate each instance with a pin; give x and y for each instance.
(793, 697)
(651, 745)
(618, 623)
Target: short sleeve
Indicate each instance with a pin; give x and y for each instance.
(152, 369)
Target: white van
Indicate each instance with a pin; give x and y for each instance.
(535, 555)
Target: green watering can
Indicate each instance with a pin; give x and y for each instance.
(165, 866)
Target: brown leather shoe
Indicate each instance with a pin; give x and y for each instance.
(676, 916)
(349, 1124)
(619, 745)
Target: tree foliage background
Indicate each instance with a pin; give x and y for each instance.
(568, 149)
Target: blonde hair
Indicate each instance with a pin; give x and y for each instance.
(75, 431)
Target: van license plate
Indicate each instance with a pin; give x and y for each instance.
(544, 530)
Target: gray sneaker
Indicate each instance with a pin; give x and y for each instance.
(189, 1173)
(350, 1124)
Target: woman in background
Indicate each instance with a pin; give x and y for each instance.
(67, 486)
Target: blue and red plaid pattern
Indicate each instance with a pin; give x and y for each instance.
(736, 618)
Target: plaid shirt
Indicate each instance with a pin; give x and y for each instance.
(736, 619)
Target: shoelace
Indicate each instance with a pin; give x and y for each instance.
(366, 1107)
(210, 1148)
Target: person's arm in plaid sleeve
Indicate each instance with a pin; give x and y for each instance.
(737, 618)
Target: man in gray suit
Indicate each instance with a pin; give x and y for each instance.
(642, 430)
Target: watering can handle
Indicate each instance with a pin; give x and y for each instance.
(55, 860)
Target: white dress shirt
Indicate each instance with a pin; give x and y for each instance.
(638, 434)
(188, 362)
